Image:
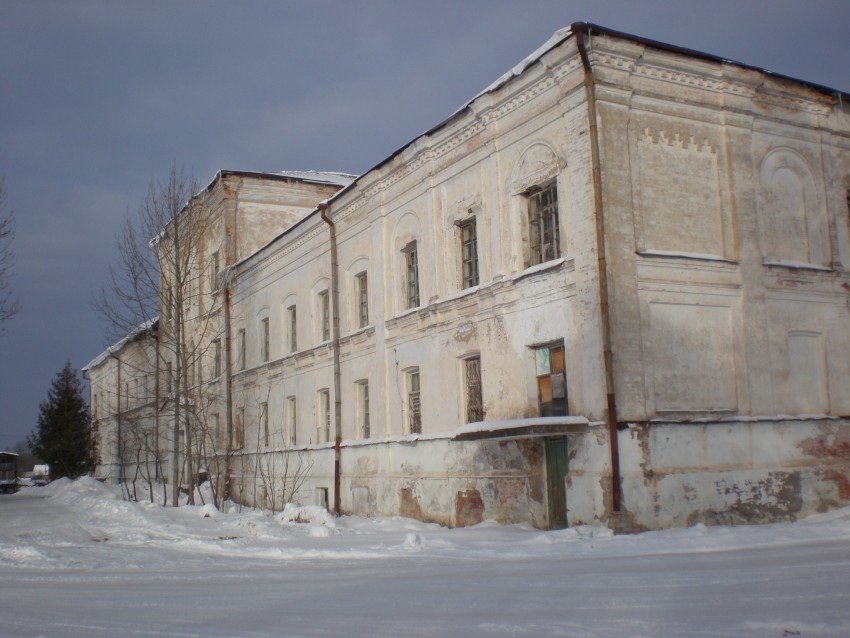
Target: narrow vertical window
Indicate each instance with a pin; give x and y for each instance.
(291, 420)
(216, 358)
(264, 423)
(264, 337)
(543, 225)
(241, 337)
(411, 276)
(325, 314)
(414, 406)
(469, 253)
(94, 406)
(213, 273)
(363, 409)
(215, 428)
(362, 291)
(292, 318)
(238, 441)
(474, 399)
(324, 424)
(551, 380)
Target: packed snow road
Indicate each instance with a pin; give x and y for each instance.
(76, 560)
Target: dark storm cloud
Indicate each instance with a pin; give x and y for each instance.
(97, 99)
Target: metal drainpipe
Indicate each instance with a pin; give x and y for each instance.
(323, 209)
(582, 30)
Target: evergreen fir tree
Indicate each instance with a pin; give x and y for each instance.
(63, 438)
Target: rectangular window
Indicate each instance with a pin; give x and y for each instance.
(215, 426)
(216, 358)
(543, 226)
(324, 413)
(292, 318)
(213, 274)
(264, 339)
(469, 253)
(414, 405)
(362, 291)
(291, 420)
(474, 399)
(363, 409)
(239, 430)
(411, 277)
(264, 423)
(325, 313)
(241, 337)
(169, 378)
(551, 380)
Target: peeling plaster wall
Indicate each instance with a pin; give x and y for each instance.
(677, 474)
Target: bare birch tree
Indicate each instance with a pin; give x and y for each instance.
(161, 269)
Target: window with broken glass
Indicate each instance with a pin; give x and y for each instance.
(543, 225)
(551, 380)
(474, 399)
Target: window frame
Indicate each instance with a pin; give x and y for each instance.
(468, 252)
(473, 395)
(412, 291)
(265, 340)
(324, 315)
(537, 214)
(242, 345)
(292, 323)
(556, 405)
(364, 420)
(361, 295)
(413, 400)
(323, 412)
(292, 419)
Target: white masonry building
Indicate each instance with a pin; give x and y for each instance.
(613, 287)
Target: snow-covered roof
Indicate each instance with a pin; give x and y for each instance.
(117, 347)
(324, 177)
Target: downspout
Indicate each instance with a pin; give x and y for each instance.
(582, 30)
(323, 209)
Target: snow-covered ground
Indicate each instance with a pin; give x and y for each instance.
(76, 560)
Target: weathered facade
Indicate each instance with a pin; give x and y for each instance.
(615, 287)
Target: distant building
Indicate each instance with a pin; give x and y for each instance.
(614, 286)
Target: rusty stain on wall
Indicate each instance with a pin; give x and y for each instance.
(469, 508)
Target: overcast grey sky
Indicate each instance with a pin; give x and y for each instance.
(99, 98)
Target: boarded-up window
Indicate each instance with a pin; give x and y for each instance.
(264, 423)
(291, 420)
(264, 339)
(239, 430)
(363, 408)
(324, 410)
(325, 315)
(551, 380)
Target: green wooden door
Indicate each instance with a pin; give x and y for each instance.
(556, 475)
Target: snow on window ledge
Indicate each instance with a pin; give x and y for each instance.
(797, 265)
(685, 255)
